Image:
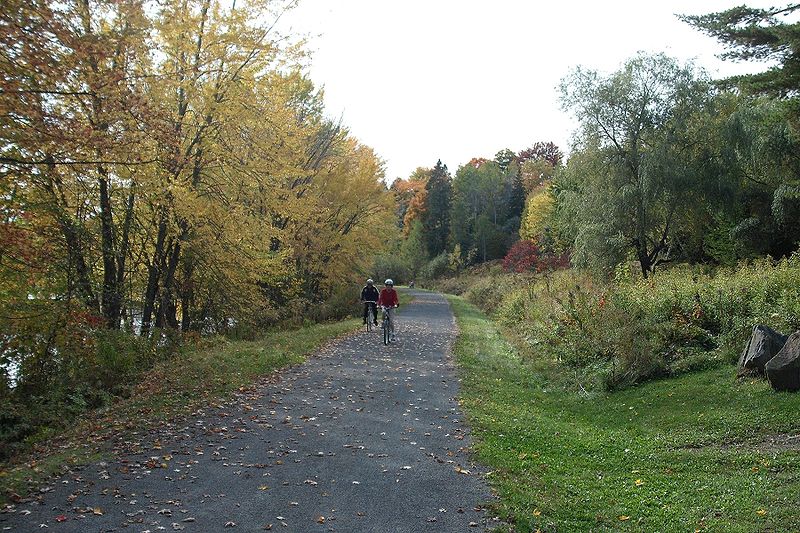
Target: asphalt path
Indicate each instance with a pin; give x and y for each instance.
(361, 437)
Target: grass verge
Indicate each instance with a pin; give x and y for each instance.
(171, 390)
(700, 452)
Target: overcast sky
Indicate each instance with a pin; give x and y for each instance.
(421, 80)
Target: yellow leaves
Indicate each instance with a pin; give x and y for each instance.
(537, 512)
(538, 207)
(623, 518)
(638, 482)
(761, 512)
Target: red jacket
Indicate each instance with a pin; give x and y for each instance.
(388, 298)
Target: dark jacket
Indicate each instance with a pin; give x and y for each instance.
(369, 294)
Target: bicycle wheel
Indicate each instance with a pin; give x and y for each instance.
(385, 330)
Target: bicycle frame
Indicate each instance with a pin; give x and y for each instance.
(371, 317)
(385, 324)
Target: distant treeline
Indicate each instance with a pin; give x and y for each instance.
(666, 166)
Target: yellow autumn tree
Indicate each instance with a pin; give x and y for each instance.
(538, 207)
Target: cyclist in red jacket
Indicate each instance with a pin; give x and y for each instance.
(388, 299)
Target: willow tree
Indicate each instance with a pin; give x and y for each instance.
(764, 134)
(635, 122)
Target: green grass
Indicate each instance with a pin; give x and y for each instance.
(683, 454)
(205, 375)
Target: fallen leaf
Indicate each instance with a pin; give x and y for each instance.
(761, 512)
(537, 512)
(639, 482)
(623, 517)
(321, 520)
(61, 518)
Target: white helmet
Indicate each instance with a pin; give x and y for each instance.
(370, 282)
(388, 282)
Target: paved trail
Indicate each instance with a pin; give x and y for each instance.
(362, 437)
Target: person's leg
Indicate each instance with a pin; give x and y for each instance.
(365, 313)
(391, 320)
(374, 313)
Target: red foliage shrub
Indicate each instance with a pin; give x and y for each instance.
(526, 256)
(522, 257)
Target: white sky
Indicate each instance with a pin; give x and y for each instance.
(421, 80)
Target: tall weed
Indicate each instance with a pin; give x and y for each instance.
(621, 333)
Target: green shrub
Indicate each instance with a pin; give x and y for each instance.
(437, 267)
(393, 266)
(632, 330)
(120, 357)
(456, 285)
(87, 369)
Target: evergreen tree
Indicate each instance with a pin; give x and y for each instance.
(759, 34)
(504, 158)
(436, 220)
(516, 197)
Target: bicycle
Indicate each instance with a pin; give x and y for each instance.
(386, 325)
(370, 314)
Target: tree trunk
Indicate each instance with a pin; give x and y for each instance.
(154, 274)
(75, 254)
(645, 262)
(122, 249)
(111, 295)
(167, 307)
(72, 239)
(187, 297)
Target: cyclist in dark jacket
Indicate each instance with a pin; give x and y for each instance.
(369, 297)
